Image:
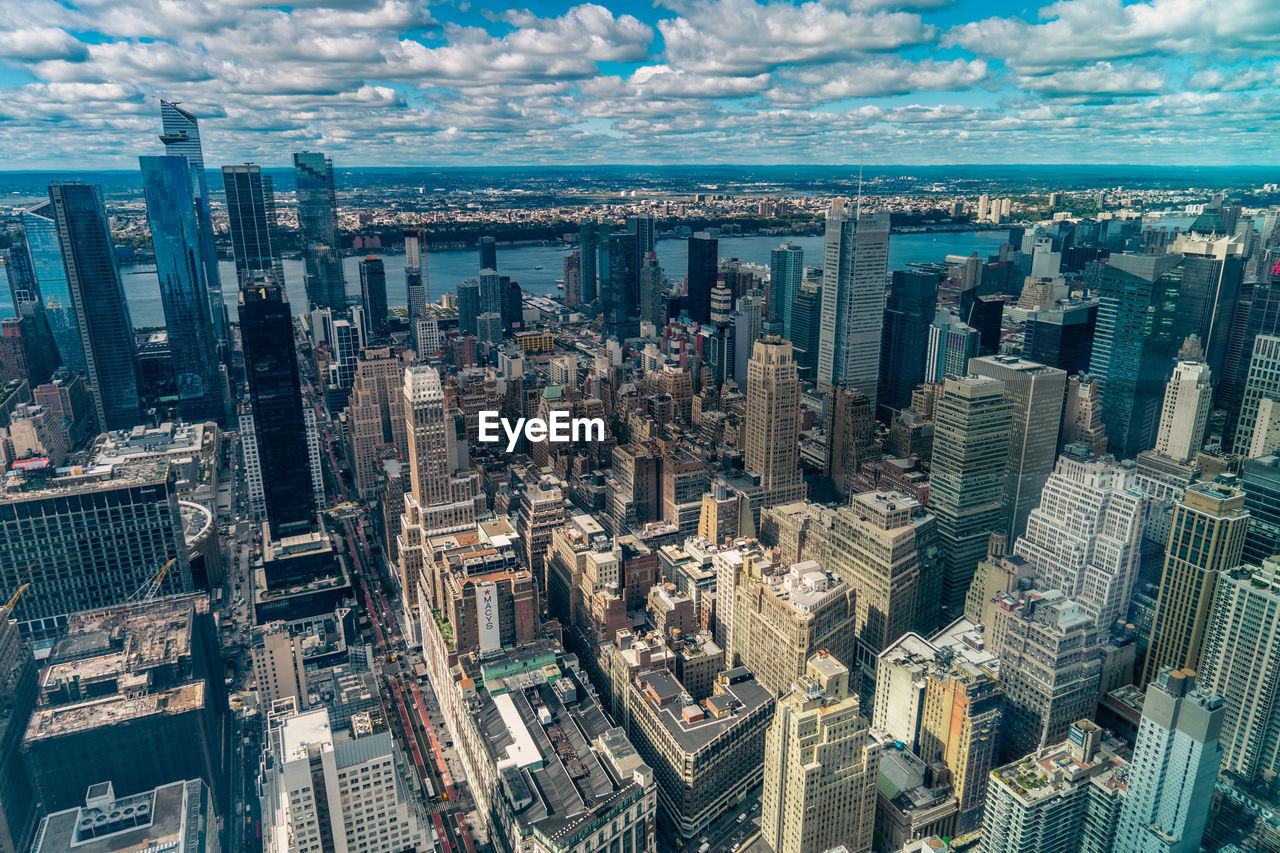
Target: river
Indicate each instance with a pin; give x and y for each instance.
(537, 268)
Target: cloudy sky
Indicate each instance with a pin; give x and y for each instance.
(404, 82)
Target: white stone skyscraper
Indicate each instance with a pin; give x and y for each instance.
(1175, 765)
(820, 766)
(854, 271)
(1085, 537)
(1188, 398)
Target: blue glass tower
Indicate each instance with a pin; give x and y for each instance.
(45, 249)
(184, 288)
(106, 332)
(318, 228)
(181, 137)
(786, 274)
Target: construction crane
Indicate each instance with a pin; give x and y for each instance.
(148, 590)
(9, 607)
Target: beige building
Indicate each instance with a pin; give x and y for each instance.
(1207, 538)
(773, 421)
(783, 617)
(375, 416)
(278, 667)
(821, 766)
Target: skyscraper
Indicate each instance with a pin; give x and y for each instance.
(1175, 765)
(1211, 282)
(488, 247)
(181, 136)
(1207, 538)
(415, 272)
(1134, 346)
(318, 230)
(704, 265)
(786, 274)
(966, 485)
(1085, 536)
(951, 344)
(806, 315)
(1036, 393)
(1260, 480)
(172, 212)
(106, 331)
(45, 250)
(373, 294)
(652, 308)
(1062, 336)
(573, 279)
(853, 285)
(1188, 397)
(1259, 419)
(821, 767)
(1241, 663)
(911, 306)
(266, 332)
(17, 698)
(619, 287)
(376, 416)
(251, 216)
(468, 307)
(1082, 414)
(588, 246)
(773, 421)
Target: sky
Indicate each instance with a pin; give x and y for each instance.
(404, 82)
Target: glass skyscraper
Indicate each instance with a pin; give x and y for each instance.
(318, 228)
(251, 215)
(373, 293)
(45, 250)
(588, 245)
(184, 287)
(106, 331)
(181, 137)
(620, 287)
(1134, 346)
(266, 332)
(786, 274)
(909, 312)
(704, 264)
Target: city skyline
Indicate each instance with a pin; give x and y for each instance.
(681, 81)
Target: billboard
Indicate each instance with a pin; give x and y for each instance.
(487, 617)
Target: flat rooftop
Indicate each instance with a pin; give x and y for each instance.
(166, 818)
(740, 695)
(47, 723)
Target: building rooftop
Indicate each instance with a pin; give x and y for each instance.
(53, 722)
(20, 485)
(693, 726)
(174, 817)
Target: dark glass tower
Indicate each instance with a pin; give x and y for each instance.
(488, 253)
(985, 313)
(588, 242)
(704, 261)
(1138, 335)
(251, 215)
(23, 289)
(1062, 337)
(373, 294)
(806, 314)
(512, 306)
(266, 332)
(1260, 480)
(786, 274)
(106, 332)
(468, 306)
(318, 229)
(45, 250)
(39, 353)
(909, 309)
(184, 290)
(181, 137)
(620, 287)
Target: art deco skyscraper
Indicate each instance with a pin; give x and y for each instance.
(1085, 537)
(1175, 766)
(1207, 538)
(270, 360)
(853, 284)
(181, 137)
(773, 421)
(251, 215)
(106, 331)
(820, 766)
(1036, 393)
(970, 448)
(318, 229)
(1188, 397)
(376, 416)
(184, 289)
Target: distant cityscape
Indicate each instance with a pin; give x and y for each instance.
(935, 510)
